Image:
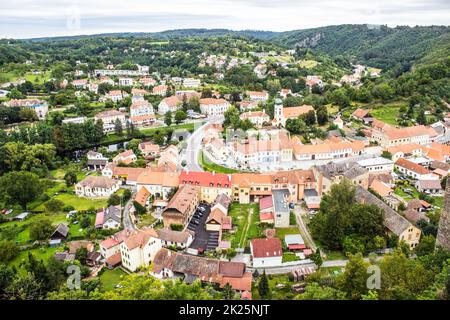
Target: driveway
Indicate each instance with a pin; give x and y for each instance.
(127, 221)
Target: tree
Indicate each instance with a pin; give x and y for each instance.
(386, 154)
(425, 246)
(353, 281)
(71, 178)
(310, 118)
(25, 287)
(114, 200)
(232, 118)
(421, 118)
(8, 251)
(227, 291)
(118, 128)
(139, 208)
(180, 116)
(41, 229)
(263, 286)
(20, 187)
(81, 255)
(54, 205)
(322, 115)
(168, 118)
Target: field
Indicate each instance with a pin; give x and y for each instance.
(43, 253)
(307, 64)
(387, 114)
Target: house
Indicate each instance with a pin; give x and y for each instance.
(109, 119)
(159, 184)
(432, 186)
(377, 164)
(109, 218)
(332, 148)
(388, 136)
(125, 157)
(281, 207)
(312, 81)
(259, 96)
(191, 83)
(394, 222)
(80, 84)
(266, 252)
(61, 232)
(116, 95)
(39, 106)
(142, 197)
(138, 95)
(412, 169)
(64, 256)
(282, 114)
(149, 149)
(222, 203)
(405, 150)
(96, 187)
(294, 242)
(249, 187)
(331, 173)
(126, 82)
(171, 104)
(110, 246)
(362, 115)
(258, 118)
(96, 160)
(171, 264)
(93, 258)
(141, 113)
(139, 249)
(182, 206)
(160, 90)
(178, 239)
(248, 105)
(73, 246)
(127, 175)
(284, 93)
(148, 82)
(381, 188)
(210, 184)
(415, 216)
(213, 107)
(218, 221)
(338, 122)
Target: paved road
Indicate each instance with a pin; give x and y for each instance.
(284, 269)
(194, 145)
(127, 221)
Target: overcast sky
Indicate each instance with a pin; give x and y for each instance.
(36, 18)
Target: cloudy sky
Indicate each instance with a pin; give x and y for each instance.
(36, 18)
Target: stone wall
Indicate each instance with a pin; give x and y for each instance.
(443, 237)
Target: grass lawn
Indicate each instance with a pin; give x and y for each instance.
(290, 256)
(78, 203)
(43, 253)
(209, 166)
(387, 114)
(282, 232)
(145, 220)
(246, 226)
(109, 278)
(335, 255)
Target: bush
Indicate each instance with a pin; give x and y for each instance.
(176, 227)
(54, 205)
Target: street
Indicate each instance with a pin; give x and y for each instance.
(194, 145)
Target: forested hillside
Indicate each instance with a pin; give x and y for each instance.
(381, 47)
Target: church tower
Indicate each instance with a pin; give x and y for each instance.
(278, 112)
(443, 236)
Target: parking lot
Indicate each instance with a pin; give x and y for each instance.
(206, 240)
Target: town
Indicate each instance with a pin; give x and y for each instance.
(259, 172)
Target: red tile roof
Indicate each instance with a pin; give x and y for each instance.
(412, 166)
(265, 248)
(205, 179)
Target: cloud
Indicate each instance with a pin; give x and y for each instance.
(26, 18)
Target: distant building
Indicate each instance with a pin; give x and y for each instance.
(214, 107)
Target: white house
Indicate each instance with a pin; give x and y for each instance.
(378, 164)
(126, 82)
(266, 252)
(96, 187)
(214, 107)
(139, 249)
